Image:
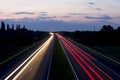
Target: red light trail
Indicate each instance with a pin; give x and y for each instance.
(81, 56)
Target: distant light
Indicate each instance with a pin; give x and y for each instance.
(51, 33)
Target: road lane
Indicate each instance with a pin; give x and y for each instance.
(94, 65)
(86, 62)
(38, 62)
(113, 66)
(10, 65)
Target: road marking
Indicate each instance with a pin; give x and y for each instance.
(79, 62)
(69, 61)
(118, 63)
(67, 42)
(30, 69)
(109, 69)
(82, 53)
(49, 65)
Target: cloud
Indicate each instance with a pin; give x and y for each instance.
(43, 13)
(98, 9)
(91, 3)
(105, 17)
(24, 13)
(75, 14)
(46, 17)
(66, 16)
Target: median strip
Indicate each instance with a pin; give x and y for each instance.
(60, 68)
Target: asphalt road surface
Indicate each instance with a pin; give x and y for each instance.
(37, 65)
(84, 65)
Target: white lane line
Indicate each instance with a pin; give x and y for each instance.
(103, 56)
(109, 69)
(48, 75)
(69, 61)
(26, 60)
(99, 53)
(30, 69)
(108, 58)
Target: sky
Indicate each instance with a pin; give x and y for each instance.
(61, 15)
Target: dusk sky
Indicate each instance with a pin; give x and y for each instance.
(61, 15)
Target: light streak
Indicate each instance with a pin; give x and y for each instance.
(87, 64)
(86, 71)
(82, 53)
(31, 56)
(74, 48)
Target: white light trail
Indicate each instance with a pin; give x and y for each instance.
(31, 56)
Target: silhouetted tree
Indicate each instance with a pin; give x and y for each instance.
(77, 34)
(24, 27)
(18, 27)
(107, 28)
(12, 27)
(8, 27)
(118, 29)
(2, 26)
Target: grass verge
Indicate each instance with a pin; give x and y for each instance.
(60, 68)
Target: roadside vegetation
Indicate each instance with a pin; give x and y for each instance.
(113, 48)
(60, 68)
(110, 51)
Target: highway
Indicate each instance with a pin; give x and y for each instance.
(37, 65)
(84, 65)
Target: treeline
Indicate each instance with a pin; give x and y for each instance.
(16, 37)
(20, 36)
(106, 36)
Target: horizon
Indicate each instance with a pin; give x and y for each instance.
(60, 15)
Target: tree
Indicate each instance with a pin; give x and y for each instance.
(8, 27)
(107, 28)
(118, 29)
(2, 26)
(24, 28)
(18, 27)
(12, 27)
